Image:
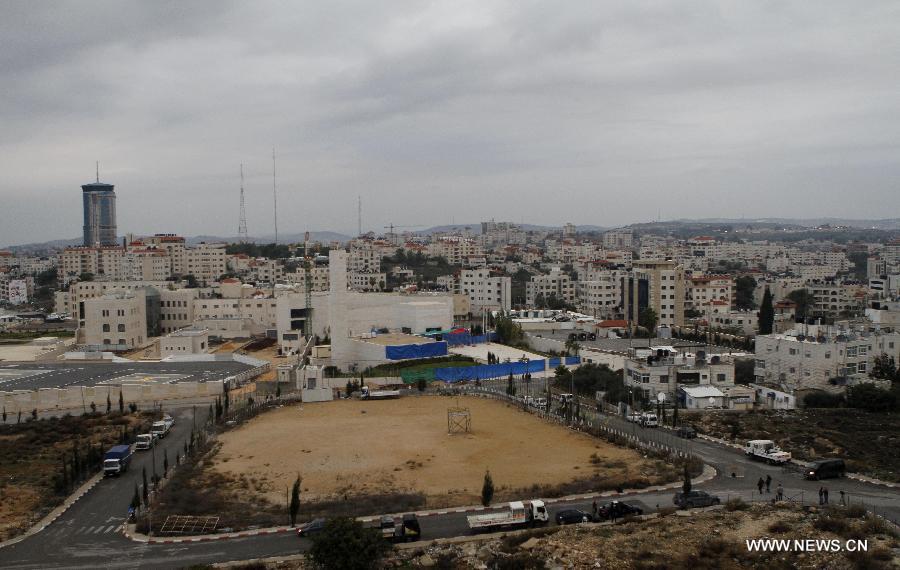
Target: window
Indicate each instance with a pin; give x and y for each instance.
(851, 351)
(851, 368)
(720, 377)
(122, 341)
(664, 379)
(863, 350)
(121, 327)
(105, 327)
(861, 367)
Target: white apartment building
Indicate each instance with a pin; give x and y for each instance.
(702, 290)
(618, 239)
(70, 301)
(364, 257)
(264, 270)
(456, 249)
(145, 265)
(116, 320)
(821, 357)
(659, 369)
(601, 296)
(318, 276)
(485, 291)
(104, 263)
(206, 262)
(557, 283)
(834, 299)
(374, 281)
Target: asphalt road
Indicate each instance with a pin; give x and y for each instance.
(37, 375)
(89, 536)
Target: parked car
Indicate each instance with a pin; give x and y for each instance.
(618, 510)
(826, 469)
(572, 516)
(687, 432)
(314, 526)
(695, 499)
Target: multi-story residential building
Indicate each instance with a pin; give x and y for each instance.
(501, 233)
(374, 281)
(264, 270)
(658, 285)
(821, 357)
(485, 290)
(836, 300)
(318, 276)
(70, 300)
(601, 296)
(145, 265)
(456, 249)
(557, 284)
(661, 369)
(117, 320)
(365, 256)
(621, 239)
(206, 262)
(702, 290)
(173, 245)
(743, 322)
(104, 263)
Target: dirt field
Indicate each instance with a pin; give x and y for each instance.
(350, 447)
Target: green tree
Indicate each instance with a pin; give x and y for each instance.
(766, 313)
(165, 463)
(884, 368)
(145, 491)
(345, 544)
(647, 318)
(508, 331)
(743, 371)
(572, 347)
(744, 287)
(121, 402)
(487, 489)
(686, 485)
(867, 396)
(86, 277)
(804, 301)
(108, 404)
(295, 500)
(135, 498)
(421, 384)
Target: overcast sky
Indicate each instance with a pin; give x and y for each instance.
(446, 112)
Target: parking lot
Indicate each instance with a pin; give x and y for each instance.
(34, 376)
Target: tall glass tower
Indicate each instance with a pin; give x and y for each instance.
(99, 214)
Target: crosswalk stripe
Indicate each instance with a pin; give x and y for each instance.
(86, 530)
(111, 528)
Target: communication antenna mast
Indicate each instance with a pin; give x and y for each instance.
(307, 286)
(98, 172)
(274, 196)
(242, 219)
(359, 215)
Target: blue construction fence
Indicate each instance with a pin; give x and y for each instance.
(488, 371)
(467, 338)
(410, 351)
(566, 361)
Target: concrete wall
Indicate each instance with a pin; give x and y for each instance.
(47, 399)
(614, 360)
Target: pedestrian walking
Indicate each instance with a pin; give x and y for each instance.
(821, 495)
(594, 509)
(760, 484)
(779, 493)
(843, 498)
(825, 494)
(768, 483)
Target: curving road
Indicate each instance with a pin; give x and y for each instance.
(89, 534)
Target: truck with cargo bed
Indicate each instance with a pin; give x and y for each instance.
(407, 529)
(116, 460)
(367, 394)
(766, 450)
(516, 514)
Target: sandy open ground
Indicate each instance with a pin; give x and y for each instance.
(349, 447)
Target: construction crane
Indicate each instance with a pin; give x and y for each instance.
(392, 226)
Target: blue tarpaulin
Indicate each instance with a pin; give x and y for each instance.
(486, 371)
(458, 339)
(572, 360)
(409, 351)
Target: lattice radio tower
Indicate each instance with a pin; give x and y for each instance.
(242, 220)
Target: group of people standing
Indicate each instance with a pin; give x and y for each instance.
(767, 485)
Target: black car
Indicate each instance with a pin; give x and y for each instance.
(826, 469)
(618, 510)
(695, 499)
(687, 432)
(572, 516)
(314, 526)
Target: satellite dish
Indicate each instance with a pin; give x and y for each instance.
(661, 397)
(712, 400)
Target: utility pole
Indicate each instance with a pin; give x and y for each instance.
(274, 196)
(242, 218)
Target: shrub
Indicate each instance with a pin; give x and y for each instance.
(830, 523)
(345, 544)
(736, 504)
(779, 527)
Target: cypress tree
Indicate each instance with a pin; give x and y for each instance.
(766, 314)
(487, 489)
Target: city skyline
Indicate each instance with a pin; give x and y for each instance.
(593, 115)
